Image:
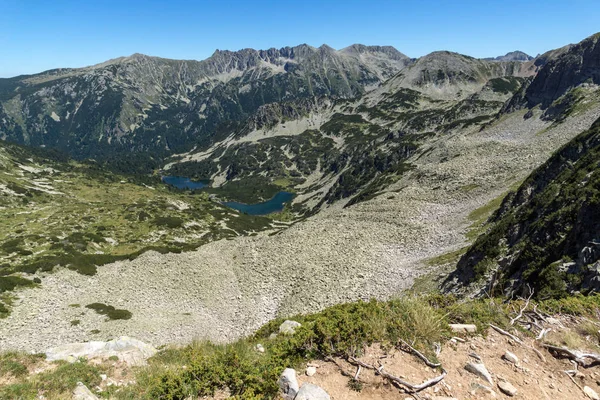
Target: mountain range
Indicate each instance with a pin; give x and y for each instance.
(445, 172)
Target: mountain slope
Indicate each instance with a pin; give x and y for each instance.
(57, 212)
(142, 103)
(547, 233)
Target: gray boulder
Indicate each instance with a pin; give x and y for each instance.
(81, 392)
(308, 391)
(289, 327)
(480, 370)
(288, 384)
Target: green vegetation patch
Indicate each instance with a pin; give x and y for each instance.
(57, 383)
(342, 330)
(111, 312)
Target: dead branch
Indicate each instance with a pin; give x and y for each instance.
(574, 381)
(404, 385)
(543, 333)
(356, 361)
(516, 339)
(420, 355)
(575, 355)
(458, 339)
(357, 373)
(410, 386)
(438, 348)
(531, 291)
(344, 372)
(503, 332)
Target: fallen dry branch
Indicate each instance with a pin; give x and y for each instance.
(575, 355)
(503, 332)
(574, 381)
(516, 339)
(357, 373)
(343, 370)
(407, 386)
(410, 386)
(515, 319)
(420, 355)
(543, 333)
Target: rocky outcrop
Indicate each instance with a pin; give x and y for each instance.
(128, 350)
(288, 384)
(308, 391)
(559, 71)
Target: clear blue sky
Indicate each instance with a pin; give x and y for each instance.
(37, 35)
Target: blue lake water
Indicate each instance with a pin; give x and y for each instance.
(181, 182)
(274, 205)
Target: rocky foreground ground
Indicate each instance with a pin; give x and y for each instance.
(229, 288)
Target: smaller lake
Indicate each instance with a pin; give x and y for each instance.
(181, 182)
(274, 205)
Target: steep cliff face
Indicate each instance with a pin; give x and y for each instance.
(577, 65)
(556, 74)
(547, 233)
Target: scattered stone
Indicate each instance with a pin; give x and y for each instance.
(259, 347)
(486, 389)
(480, 370)
(510, 357)
(463, 328)
(308, 391)
(310, 371)
(591, 393)
(81, 392)
(103, 377)
(272, 336)
(507, 388)
(289, 327)
(288, 383)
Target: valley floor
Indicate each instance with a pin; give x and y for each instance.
(229, 288)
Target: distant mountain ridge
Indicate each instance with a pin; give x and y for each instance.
(163, 106)
(512, 56)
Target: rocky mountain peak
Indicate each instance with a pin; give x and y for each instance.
(512, 56)
(390, 51)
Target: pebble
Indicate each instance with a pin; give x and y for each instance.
(507, 388)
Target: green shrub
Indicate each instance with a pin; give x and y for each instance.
(169, 222)
(111, 312)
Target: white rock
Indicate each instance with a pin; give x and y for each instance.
(308, 391)
(259, 347)
(591, 393)
(508, 356)
(103, 377)
(288, 384)
(129, 350)
(289, 327)
(462, 328)
(507, 388)
(310, 371)
(480, 370)
(81, 392)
